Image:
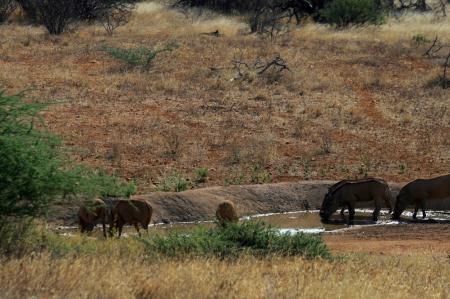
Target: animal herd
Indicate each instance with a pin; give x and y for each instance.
(344, 194)
(136, 212)
(115, 212)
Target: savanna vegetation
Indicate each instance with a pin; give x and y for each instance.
(307, 101)
(48, 265)
(36, 169)
(172, 95)
(114, 275)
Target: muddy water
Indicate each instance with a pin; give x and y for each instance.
(304, 221)
(310, 222)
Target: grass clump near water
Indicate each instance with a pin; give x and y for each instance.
(230, 241)
(251, 239)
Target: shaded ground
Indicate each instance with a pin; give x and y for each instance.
(391, 239)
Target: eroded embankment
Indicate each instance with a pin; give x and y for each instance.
(200, 204)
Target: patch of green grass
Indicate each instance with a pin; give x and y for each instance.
(259, 175)
(202, 174)
(251, 238)
(235, 177)
(174, 182)
(139, 57)
(419, 39)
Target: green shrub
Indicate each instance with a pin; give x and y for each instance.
(174, 182)
(35, 171)
(253, 238)
(345, 12)
(202, 174)
(260, 175)
(235, 176)
(419, 39)
(140, 57)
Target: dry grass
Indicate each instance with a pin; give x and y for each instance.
(357, 276)
(364, 90)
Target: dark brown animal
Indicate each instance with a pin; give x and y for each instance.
(347, 193)
(132, 212)
(343, 182)
(418, 192)
(226, 213)
(92, 213)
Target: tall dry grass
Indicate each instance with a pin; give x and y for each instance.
(355, 276)
(395, 29)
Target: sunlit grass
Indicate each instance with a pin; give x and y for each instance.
(56, 266)
(131, 276)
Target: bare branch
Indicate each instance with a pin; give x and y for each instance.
(259, 66)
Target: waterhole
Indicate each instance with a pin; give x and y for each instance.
(291, 222)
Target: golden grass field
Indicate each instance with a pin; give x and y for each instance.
(356, 101)
(120, 269)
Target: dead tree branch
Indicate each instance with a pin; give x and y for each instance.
(259, 66)
(435, 47)
(445, 81)
(278, 62)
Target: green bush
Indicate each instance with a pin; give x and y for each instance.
(260, 175)
(140, 57)
(35, 171)
(345, 12)
(253, 238)
(174, 182)
(419, 39)
(234, 177)
(202, 174)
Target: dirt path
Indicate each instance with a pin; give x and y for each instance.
(396, 239)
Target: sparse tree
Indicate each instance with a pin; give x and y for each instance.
(58, 15)
(262, 14)
(55, 15)
(116, 17)
(29, 8)
(6, 9)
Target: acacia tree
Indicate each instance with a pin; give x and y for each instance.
(58, 15)
(261, 13)
(29, 8)
(34, 169)
(6, 8)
